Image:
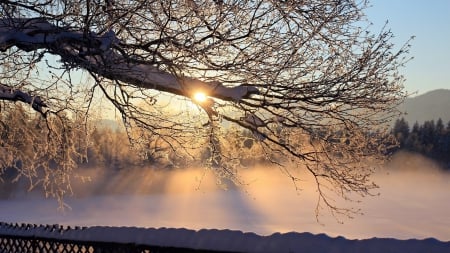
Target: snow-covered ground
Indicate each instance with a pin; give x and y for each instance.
(413, 204)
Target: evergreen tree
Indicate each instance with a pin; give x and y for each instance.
(427, 136)
(413, 143)
(401, 131)
(439, 140)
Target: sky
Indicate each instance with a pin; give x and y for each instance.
(429, 22)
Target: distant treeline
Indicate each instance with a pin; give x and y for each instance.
(100, 145)
(27, 151)
(431, 139)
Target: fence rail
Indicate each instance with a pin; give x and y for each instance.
(33, 243)
(29, 238)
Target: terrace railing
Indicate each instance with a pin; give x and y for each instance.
(29, 238)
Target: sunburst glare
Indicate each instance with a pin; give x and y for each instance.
(200, 97)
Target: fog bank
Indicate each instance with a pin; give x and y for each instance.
(414, 202)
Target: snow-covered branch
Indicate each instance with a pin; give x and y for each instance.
(7, 93)
(102, 55)
(298, 78)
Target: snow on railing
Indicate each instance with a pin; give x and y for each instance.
(56, 238)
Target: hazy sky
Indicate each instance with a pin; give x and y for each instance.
(429, 21)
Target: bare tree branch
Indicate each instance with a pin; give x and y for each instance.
(307, 79)
(95, 53)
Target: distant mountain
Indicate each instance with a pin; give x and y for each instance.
(429, 106)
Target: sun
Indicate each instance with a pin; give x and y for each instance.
(200, 97)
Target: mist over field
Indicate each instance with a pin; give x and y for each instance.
(414, 202)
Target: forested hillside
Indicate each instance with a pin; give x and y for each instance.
(432, 139)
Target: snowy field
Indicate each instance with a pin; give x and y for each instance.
(413, 204)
